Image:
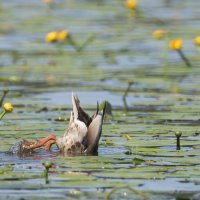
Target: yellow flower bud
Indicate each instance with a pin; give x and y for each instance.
(128, 137)
(159, 34)
(51, 37)
(63, 35)
(8, 107)
(176, 44)
(47, 165)
(197, 41)
(131, 4)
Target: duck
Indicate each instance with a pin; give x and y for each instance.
(80, 137)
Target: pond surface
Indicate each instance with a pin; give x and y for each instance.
(138, 147)
(87, 97)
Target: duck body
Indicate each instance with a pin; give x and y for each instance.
(83, 132)
(81, 137)
(73, 138)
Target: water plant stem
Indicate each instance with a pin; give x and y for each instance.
(178, 136)
(3, 97)
(2, 114)
(85, 43)
(178, 146)
(72, 42)
(125, 95)
(184, 58)
(46, 176)
(47, 166)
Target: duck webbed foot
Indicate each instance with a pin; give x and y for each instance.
(49, 140)
(49, 144)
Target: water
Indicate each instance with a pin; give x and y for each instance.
(163, 99)
(88, 98)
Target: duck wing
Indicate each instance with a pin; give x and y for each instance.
(78, 112)
(94, 132)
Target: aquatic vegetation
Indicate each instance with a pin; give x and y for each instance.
(197, 40)
(8, 108)
(56, 36)
(63, 35)
(47, 166)
(5, 92)
(128, 137)
(178, 135)
(130, 83)
(163, 100)
(61, 38)
(51, 37)
(131, 4)
(126, 187)
(108, 107)
(84, 44)
(159, 34)
(177, 44)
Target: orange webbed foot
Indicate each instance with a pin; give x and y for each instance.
(50, 143)
(51, 138)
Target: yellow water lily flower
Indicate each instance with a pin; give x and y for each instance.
(8, 107)
(51, 37)
(159, 34)
(176, 44)
(131, 4)
(197, 40)
(63, 35)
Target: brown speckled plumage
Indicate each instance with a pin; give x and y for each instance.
(77, 137)
(81, 136)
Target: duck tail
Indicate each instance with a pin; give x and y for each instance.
(75, 105)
